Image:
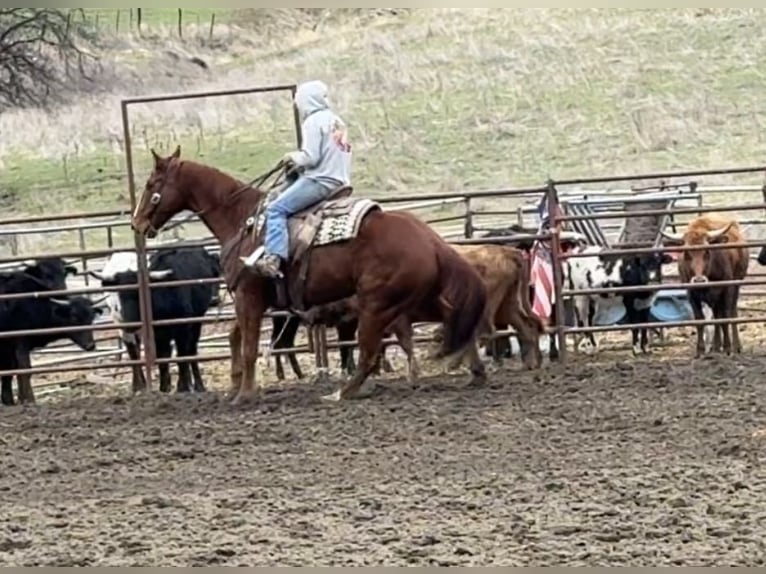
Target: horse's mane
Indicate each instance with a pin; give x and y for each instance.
(229, 184)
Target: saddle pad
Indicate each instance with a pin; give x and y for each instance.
(340, 223)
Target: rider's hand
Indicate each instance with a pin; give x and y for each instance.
(289, 158)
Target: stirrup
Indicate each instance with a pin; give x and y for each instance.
(251, 259)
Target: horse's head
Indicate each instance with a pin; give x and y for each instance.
(162, 197)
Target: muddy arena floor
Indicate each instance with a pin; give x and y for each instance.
(609, 461)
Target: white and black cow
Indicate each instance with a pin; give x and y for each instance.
(597, 271)
(172, 302)
(38, 313)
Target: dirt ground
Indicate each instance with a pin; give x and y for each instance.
(609, 462)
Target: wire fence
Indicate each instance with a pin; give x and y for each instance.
(181, 21)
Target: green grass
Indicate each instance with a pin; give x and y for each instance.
(151, 18)
(436, 101)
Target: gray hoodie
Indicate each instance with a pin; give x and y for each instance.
(325, 153)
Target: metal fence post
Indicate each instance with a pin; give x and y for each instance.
(468, 230)
(144, 293)
(559, 315)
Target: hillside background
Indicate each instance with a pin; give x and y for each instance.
(436, 100)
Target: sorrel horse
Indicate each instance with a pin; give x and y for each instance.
(395, 264)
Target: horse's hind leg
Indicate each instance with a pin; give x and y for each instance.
(371, 329)
(478, 370)
(402, 328)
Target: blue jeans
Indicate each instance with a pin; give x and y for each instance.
(301, 194)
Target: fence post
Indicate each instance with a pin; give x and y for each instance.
(83, 259)
(468, 229)
(144, 290)
(555, 225)
(180, 22)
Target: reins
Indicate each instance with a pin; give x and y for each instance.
(280, 169)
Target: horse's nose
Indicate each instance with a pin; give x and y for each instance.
(699, 279)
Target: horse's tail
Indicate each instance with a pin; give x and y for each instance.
(463, 299)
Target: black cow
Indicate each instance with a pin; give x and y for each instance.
(284, 330)
(762, 256)
(639, 271)
(172, 302)
(50, 271)
(38, 313)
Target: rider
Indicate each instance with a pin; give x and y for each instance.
(325, 158)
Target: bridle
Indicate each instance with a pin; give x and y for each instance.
(281, 169)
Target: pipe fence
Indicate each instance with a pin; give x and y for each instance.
(457, 216)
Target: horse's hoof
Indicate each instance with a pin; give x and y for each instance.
(477, 380)
(366, 390)
(244, 398)
(333, 398)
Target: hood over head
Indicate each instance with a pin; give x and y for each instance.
(311, 97)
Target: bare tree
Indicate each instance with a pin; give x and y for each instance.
(43, 55)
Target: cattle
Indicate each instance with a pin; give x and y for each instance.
(639, 271)
(171, 302)
(708, 265)
(38, 313)
(505, 271)
(597, 271)
(501, 346)
(589, 272)
(50, 271)
(284, 329)
(343, 315)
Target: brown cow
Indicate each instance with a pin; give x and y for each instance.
(505, 271)
(704, 265)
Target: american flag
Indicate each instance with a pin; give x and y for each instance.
(541, 271)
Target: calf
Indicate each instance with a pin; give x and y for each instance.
(284, 330)
(590, 272)
(706, 265)
(598, 271)
(37, 313)
(640, 271)
(569, 240)
(172, 302)
(505, 271)
(343, 314)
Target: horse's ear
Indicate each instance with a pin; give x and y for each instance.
(157, 158)
(177, 153)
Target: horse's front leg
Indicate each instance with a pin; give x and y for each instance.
(235, 347)
(249, 316)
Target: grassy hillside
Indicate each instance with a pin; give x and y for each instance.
(436, 100)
